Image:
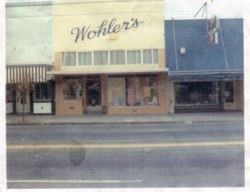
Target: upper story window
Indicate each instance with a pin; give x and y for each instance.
(117, 57)
(72, 88)
(147, 56)
(85, 58)
(101, 57)
(155, 56)
(69, 58)
(134, 57)
(112, 57)
(150, 56)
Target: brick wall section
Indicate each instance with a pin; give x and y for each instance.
(66, 107)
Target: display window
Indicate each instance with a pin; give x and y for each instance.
(9, 94)
(134, 91)
(110, 57)
(72, 88)
(197, 93)
(42, 91)
(117, 91)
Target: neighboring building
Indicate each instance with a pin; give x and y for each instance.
(109, 57)
(205, 64)
(29, 55)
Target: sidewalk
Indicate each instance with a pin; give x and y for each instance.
(106, 119)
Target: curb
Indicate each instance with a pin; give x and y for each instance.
(125, 122)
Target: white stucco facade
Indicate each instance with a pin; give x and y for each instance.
(28, 34)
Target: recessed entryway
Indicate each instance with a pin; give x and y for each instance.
(93, 94)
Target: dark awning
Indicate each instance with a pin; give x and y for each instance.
(210, 76)
(30, 73)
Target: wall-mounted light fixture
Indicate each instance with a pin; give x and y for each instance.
(183, 50)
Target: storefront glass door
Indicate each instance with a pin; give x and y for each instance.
(93, 95)
(20, 101)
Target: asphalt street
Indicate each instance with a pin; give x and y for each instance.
(126, 155)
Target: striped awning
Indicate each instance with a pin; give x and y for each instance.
(28, 73)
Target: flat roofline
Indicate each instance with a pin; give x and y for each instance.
(30, 3)
(65, 2)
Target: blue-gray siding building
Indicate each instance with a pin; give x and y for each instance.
(205, 62)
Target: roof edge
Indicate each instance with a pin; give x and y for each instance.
(32, 3)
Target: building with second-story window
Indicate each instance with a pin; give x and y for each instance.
(205, 60)
(109, 57)
(29, 57)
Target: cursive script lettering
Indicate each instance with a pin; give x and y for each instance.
(106, 28)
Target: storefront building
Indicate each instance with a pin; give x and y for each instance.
(29, 57)
(109, 57)
(205, 60)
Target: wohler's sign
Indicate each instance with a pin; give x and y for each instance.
(106, 27)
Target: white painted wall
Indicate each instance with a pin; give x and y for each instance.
(29, 35)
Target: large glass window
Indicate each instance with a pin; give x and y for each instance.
(42, 91)
(155, 56)
(117, 91)
(69, 58)
(197, 93)
(134, 90)
(113, 57)
(142, 90)
(134, 57)
(85, 58)
(101, 57)
(72, 88)
(117, 57)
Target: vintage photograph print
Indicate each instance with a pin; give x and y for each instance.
(124, 94)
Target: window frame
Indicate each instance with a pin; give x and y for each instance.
(89, 59)
(80, 81)
(49, 91)
(65, 59)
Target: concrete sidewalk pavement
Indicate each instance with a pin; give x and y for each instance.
(106, 119)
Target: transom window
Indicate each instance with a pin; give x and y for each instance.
(85, 58)
(134, 56)
(133, 90)
(117, 57)
(101, 57)
(112, 57)
(69, 58)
